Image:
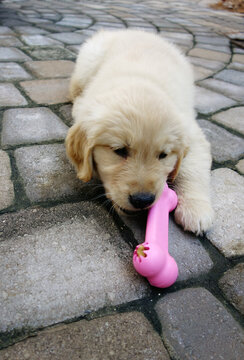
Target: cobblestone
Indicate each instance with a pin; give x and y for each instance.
(12, 54)
(228, 202)
(73, 263)
(232, 118)
(208, 101)
(230, 90)
(232, 285)
(9, 40)
(74, 260)
(232, 76)
(218, 138)
(197, 326)
(48, 53)
(10, 96)
(32, 125)
(47, 91)
(240, 166)
(112, 337)
(46, 173)
(39, 40)
(12, 71)
(29, 30)
(69, 38)
(50, 69)
(6, 185)
(209, 54)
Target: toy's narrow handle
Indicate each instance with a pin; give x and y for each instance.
(158, 218)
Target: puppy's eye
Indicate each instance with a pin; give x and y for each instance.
(162, 155)
(123, 152)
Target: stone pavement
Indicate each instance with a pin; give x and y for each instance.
(68, 288)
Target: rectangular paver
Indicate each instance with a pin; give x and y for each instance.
(33, 125)
(53, 91)
(10, 96)
(62, 262)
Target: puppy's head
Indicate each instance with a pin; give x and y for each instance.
(136, 140)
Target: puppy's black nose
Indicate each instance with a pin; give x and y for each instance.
(141, 200)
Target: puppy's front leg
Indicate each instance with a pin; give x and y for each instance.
(194, 211)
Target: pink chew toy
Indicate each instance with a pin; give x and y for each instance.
(151, 258)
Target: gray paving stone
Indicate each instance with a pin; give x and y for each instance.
(10, 96)
(208, 101)
(232, 76)
(177, 38)
(47, 173)
(232, 91)
(238, 58)
(232, 118)
(53, 91)
(110, 337)
(232, 285)
(50, 69)
(57, 28)
(4, 30)
(222, 49)
(69, 38)
(209, 54)
(74, 48)
(228, 202)
(197, 326)
(236, 66)
(48, 53)
(12, 71)
(12, 54)
(33, 125)
(208, 64)
(218, 138)
(9, 40)
(6, 185)
(39, 40)
(214, 40)
(240, 166)
(62, 262)
(29, 30)
(66, 111)
(76, 21)
(181, 244)
(201, 73)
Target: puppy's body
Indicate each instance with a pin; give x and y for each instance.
(134, 117)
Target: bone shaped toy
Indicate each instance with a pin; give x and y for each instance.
(151, 258)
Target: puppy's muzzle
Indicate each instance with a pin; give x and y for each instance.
(141, 200)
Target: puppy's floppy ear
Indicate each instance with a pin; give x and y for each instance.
(180, 156)
(79, 151)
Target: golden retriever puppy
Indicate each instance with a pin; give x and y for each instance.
(135, 125)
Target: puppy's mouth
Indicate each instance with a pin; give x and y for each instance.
(129, 212)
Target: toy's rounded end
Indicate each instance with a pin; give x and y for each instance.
(148, 259)
(167, 276)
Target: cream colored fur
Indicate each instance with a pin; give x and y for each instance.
(133, 89)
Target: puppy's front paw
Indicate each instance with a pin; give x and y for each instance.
(194, 215)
